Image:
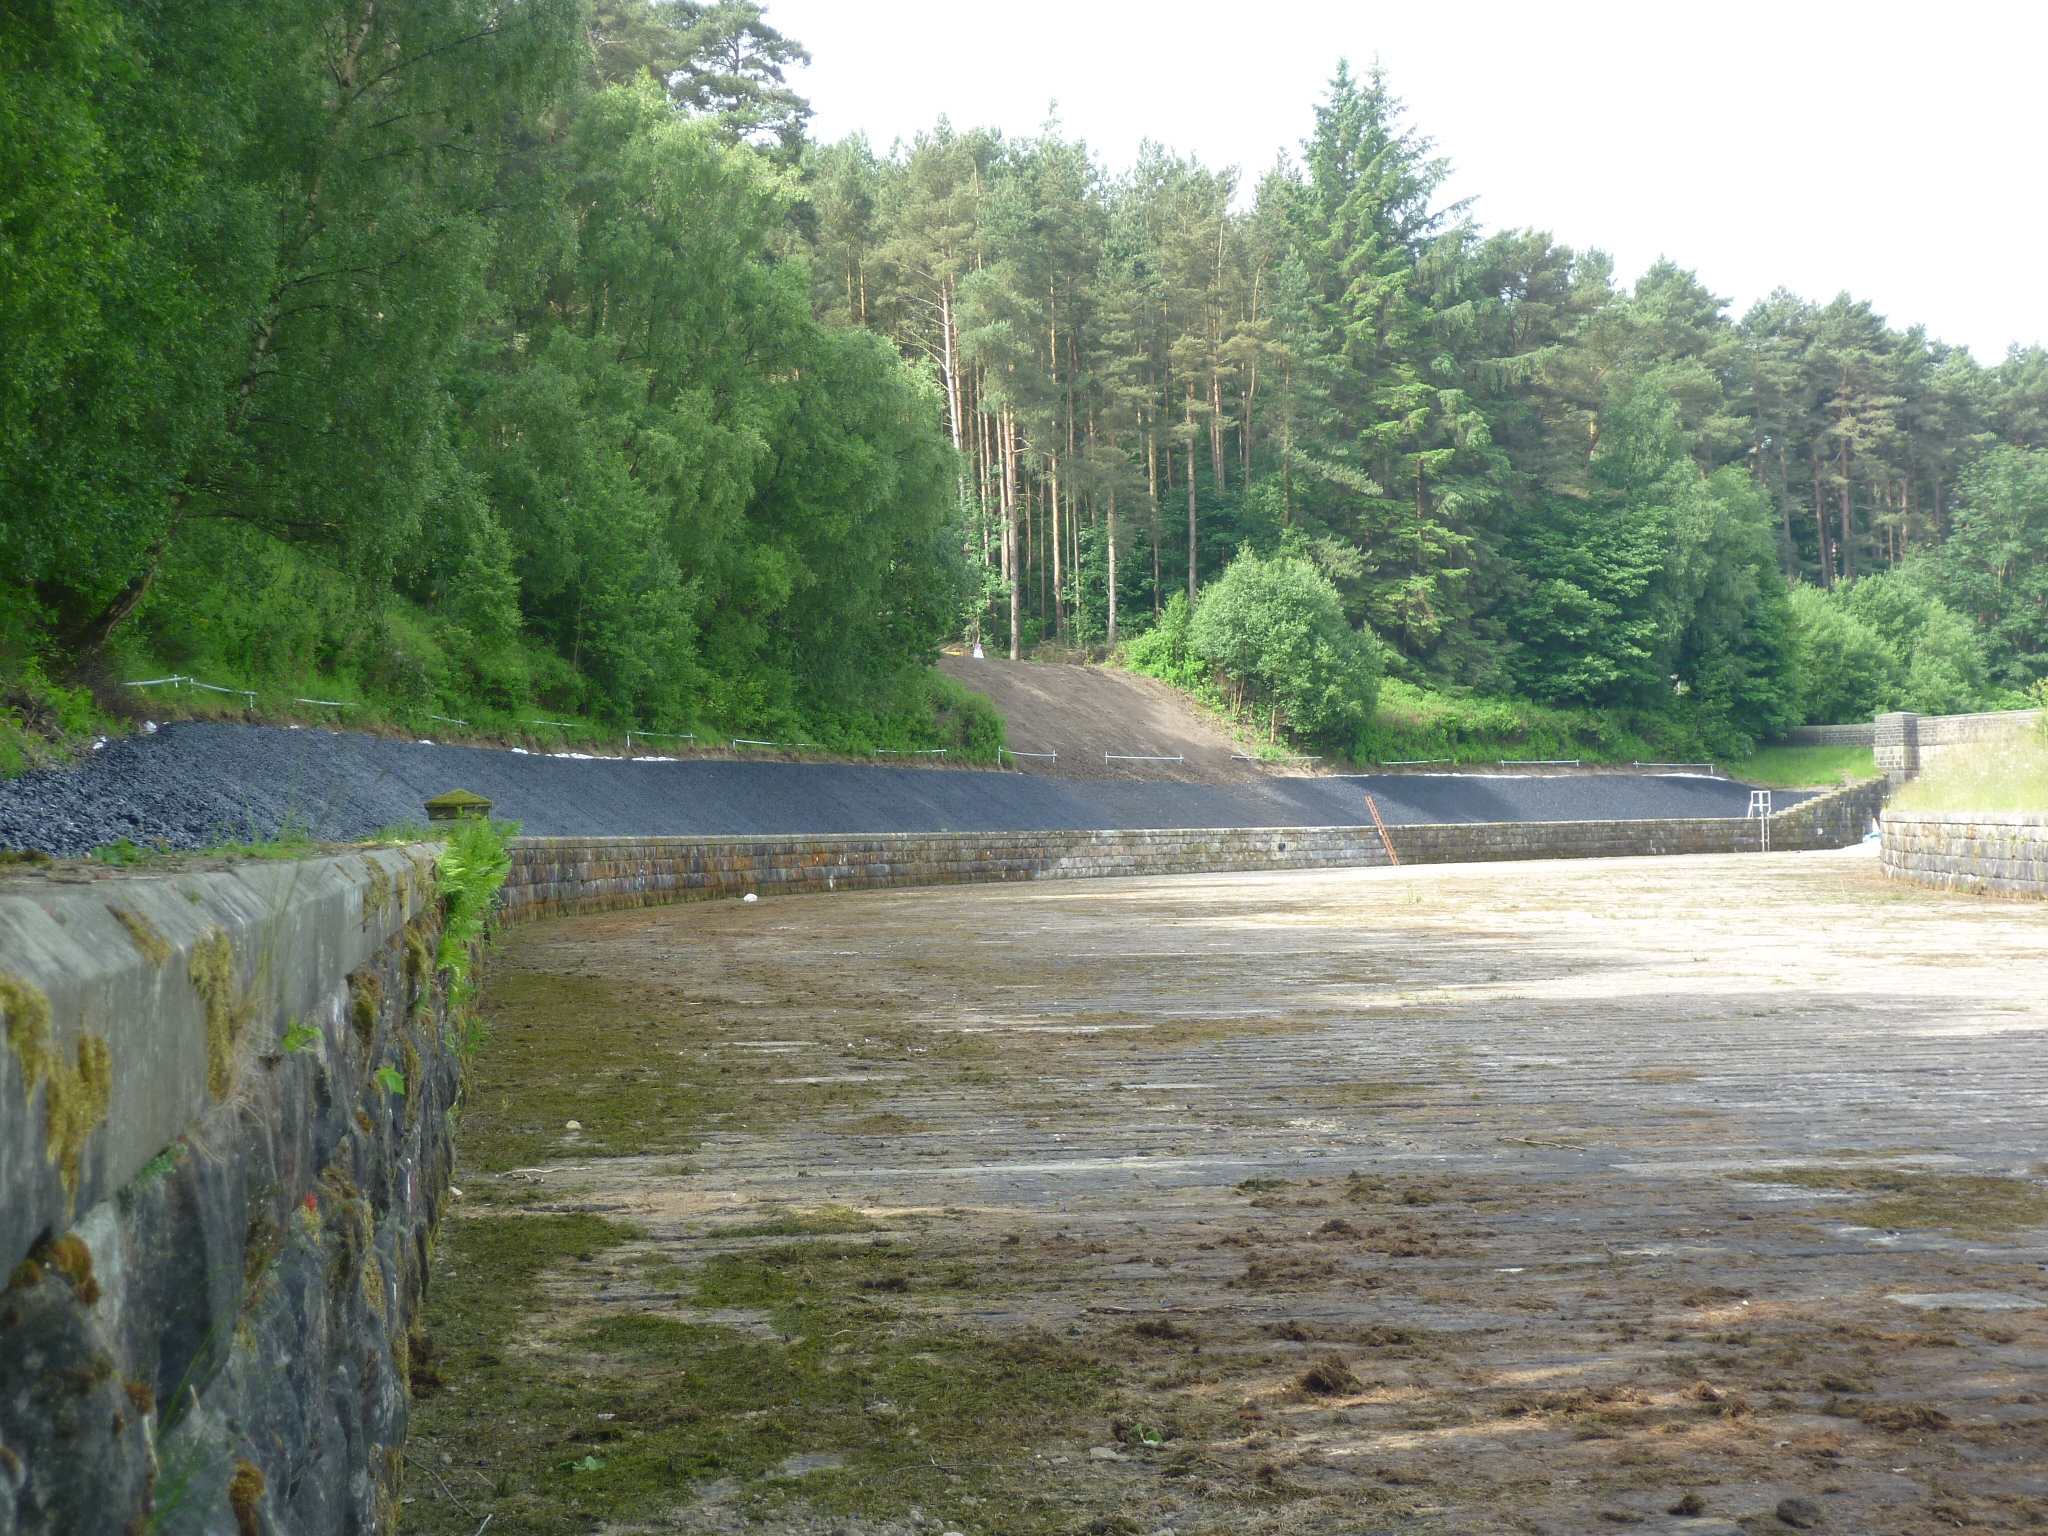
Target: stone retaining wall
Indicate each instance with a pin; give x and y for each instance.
(1861, 735)
(1907, 744)
(216, 1226)
(1985, 852)
(558, 875)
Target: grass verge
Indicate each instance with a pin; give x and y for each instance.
(1805, 767)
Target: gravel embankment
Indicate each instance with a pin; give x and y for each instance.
(195, 784)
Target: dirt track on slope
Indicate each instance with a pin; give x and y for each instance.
(1083, 713)
(1545, 1198)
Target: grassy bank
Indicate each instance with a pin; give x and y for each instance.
(1415, 725)
(1783, 767)
(48, 725)
(1994, 776)
(1418, 723)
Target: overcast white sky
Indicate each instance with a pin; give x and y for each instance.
(1890, 149)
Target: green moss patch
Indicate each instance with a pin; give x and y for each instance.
(1969, 1204)
(833, 1393)
(212, 969)
(822, 1222)
(578, 1048)
(149, 939)
(79, 1091)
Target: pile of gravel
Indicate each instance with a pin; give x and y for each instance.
(196, 784)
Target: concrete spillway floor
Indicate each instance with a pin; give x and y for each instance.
(1537, 1197)
(196, 784)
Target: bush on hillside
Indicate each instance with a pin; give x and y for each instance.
(1166, 651)
(1275, 627)
(1888, 642)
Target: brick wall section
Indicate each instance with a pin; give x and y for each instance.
(553, 876)
(1985, 852)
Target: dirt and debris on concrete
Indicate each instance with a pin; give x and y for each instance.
(1696, 1194)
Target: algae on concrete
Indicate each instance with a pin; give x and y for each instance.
(77, 1093)
(228, 1011)
(149, 938)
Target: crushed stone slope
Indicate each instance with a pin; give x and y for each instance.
(196, 784)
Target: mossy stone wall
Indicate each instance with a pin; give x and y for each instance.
(216, 1214)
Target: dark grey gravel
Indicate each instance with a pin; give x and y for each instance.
(196, 784)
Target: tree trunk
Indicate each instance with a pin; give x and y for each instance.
(981, 478)
(1009, 450)
(1820, 523)
(1152, 482)
(1249, 394)
(1216, 427)
(1191, 525)
(1785, 510)
(1848, 531)
(1059, 565)
(952, 381)
(1109, 593)
(99, 629)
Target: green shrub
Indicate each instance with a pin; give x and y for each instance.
(1164, 651)
(968, 723)
(1848, 671)
(472, 867)
(1276, 628)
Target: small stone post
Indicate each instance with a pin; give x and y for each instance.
(1896, 742)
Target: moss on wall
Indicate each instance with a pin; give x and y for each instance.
(365, 997)
(156, 949)
(227, 1009)
(78, 1092)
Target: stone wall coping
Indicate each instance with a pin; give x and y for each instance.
(911, 839)
(1969, 818)
(2016, 717)
(113, 957)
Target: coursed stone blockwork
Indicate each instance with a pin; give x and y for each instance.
(1984, 852)
(1906, 743)
(559, 875)
(1860, 735)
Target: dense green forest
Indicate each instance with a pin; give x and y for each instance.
(508, 359)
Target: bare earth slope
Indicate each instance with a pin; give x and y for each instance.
(1083, 712)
